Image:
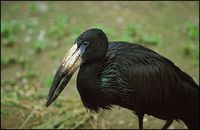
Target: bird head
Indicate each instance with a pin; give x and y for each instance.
(90, 45)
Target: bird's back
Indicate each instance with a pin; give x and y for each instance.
(140, 79)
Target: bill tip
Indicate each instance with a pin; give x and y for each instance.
(47, 103)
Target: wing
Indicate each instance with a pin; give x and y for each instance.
(153, 83)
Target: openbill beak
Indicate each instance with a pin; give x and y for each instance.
(69, 65)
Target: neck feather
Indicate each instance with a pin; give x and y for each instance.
(88, 76)
(89, 86)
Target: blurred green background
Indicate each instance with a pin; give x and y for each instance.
(35, 36)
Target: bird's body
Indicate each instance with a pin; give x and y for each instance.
(136, 78)
(141, 80)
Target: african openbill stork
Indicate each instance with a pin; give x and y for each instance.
(130, 76)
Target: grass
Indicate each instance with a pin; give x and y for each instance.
(29, 72)
(40, 44)
(191, 30)
(65, 119)
(8, 30)
(152, 39)
(75, 32)
(22, 60)
(131, 30)
(31, 23)
(15, 7)
(130, 33)
(58, 30)
(110, 32)
(5, 112)
(5, 61)
(47, 82)
(32, 8)
(11, 99)
(191, 50)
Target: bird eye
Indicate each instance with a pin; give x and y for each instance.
(85, 43)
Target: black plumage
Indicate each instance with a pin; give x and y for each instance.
(136, 78)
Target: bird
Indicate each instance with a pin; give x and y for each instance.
(128, 75)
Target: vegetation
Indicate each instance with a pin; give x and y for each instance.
(192, 30)
(58, 30)
(191, 50)
(5, 61)
(7, 31)
(109, 31)
(151, 39)
(129, 34)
